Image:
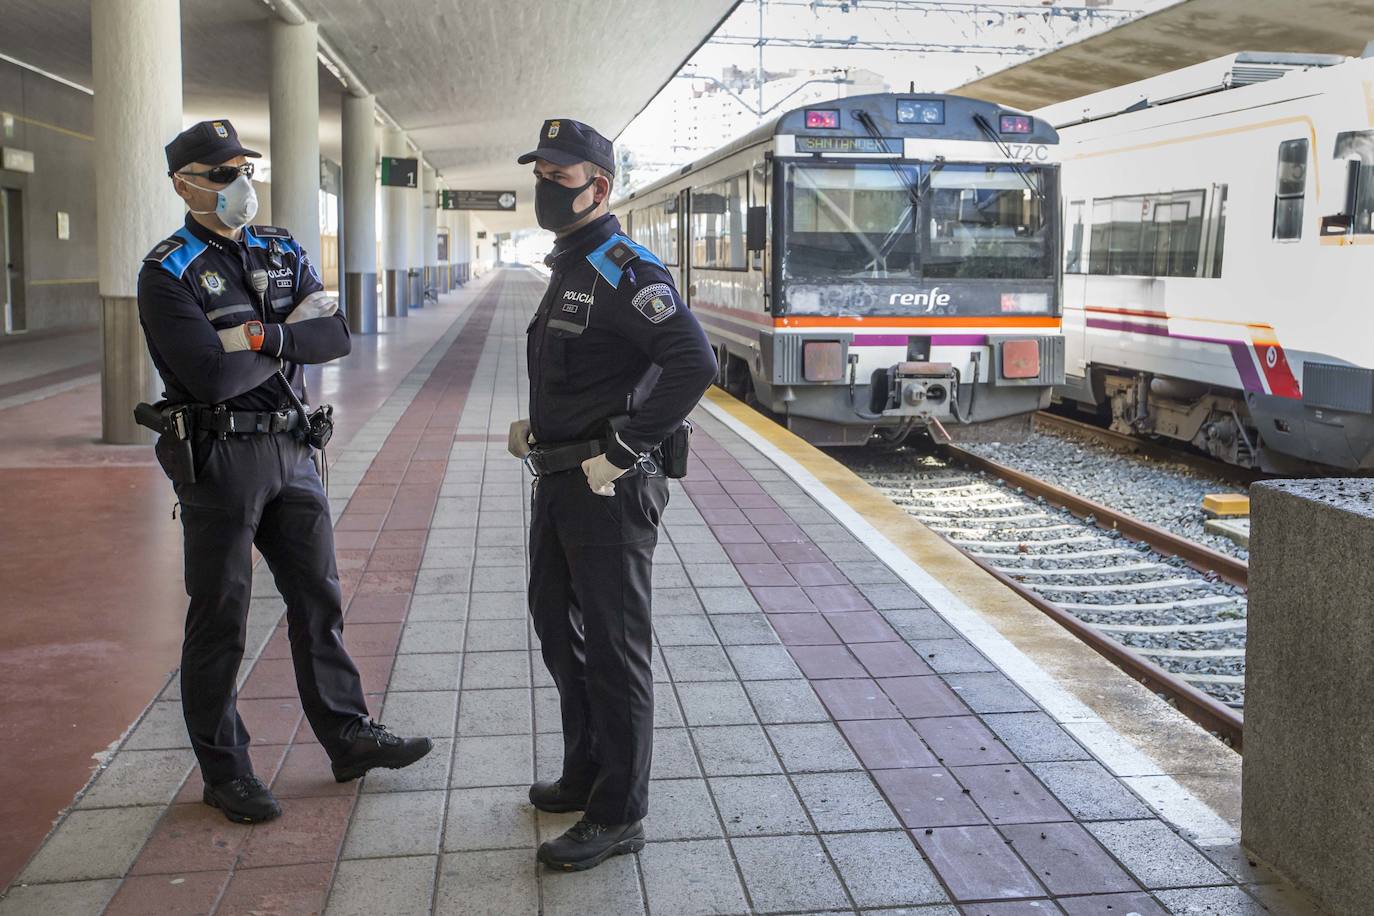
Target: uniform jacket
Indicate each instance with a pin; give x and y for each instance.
(611, 337)
(196, 283)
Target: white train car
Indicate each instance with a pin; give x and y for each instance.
(1219, 251)
(874, 264)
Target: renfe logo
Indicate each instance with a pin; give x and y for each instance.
(929, 300)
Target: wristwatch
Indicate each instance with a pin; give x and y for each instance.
(256, 334)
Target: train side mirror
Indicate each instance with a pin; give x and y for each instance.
(756, 228)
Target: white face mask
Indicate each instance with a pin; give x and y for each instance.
(236, 203)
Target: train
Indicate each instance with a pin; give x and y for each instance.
(874, 265)
(1219, 248)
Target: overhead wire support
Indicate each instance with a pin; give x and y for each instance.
(968, 6)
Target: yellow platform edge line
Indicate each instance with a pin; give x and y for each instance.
(1181, 749)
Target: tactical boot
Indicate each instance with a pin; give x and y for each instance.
(552, 797)
(372, 746)
(244, 800)
(587, 845)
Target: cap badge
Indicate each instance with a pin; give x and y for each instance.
(213, 282)
(553, 129)
(220, 129)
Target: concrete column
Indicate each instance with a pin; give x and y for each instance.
(1307, 782)
(294, 102)
(136, 61)
(394, 261)
(415, 256)
(429, 227)
(360, 213)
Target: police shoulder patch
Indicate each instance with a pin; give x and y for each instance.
(163, 249)
(655, 302)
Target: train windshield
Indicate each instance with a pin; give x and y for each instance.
(876, 221)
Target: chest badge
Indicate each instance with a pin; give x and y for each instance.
(213, 282)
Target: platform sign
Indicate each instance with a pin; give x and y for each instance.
(477, 200)
(399, 173)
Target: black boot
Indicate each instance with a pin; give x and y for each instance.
(372, 746)
(587, 845)
(244, 800)
(552, 797)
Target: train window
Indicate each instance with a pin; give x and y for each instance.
(1356, 147)
(850, 221)
(656, 229)
(1148, 235)
(1073, 263)
(1290, 189)
(983, 222)
(718, 224)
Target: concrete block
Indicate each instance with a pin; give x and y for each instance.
(1237, 529)
(1307, 784)
(397, 887)
(395, 824)
(101, 843)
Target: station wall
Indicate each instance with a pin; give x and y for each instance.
(55, 123)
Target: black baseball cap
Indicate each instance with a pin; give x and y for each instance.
(564, 141)
(210, 142)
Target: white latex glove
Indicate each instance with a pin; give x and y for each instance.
(318, 304)
(601, 475)
(235, 339)
(518, 440)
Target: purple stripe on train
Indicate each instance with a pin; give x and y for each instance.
(1240, 351)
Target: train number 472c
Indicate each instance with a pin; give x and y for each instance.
(1029, 152)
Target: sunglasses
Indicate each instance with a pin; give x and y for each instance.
(223, 174)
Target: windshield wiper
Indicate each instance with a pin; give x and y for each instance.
(915, 193)
(1016, 165)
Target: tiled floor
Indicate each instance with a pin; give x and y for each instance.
(86, 642)
(825, 741)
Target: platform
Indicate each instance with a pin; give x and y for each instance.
(848, 718)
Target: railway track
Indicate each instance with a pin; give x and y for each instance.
(1170, 612)
(1162, 451)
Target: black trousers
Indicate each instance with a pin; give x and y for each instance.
(263, 491)
(591, 565)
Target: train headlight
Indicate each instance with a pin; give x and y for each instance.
(1020, 358)
(823, 360)
(920, 111)
(1025, 302)
(822, 118)
(1015, 124)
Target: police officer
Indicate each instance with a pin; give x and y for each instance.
(232, 313)
(616, 362)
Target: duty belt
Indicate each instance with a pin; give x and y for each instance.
(559, 458)
(222, 421)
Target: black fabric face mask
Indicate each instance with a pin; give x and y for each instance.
(553, 204)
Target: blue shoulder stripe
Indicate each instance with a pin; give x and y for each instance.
(613, 268)
(252, 240)
(644, 253)
(177, 262)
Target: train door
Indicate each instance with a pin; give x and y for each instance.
(12, 260)
(684, 245)
(1076, 223)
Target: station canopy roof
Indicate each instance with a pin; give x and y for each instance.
(1175, 37)
(470, 81)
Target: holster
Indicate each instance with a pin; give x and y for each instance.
(175, 425)
(671, 453)
(675, 449)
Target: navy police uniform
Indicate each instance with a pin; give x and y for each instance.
(612, 338)
(258, 488)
